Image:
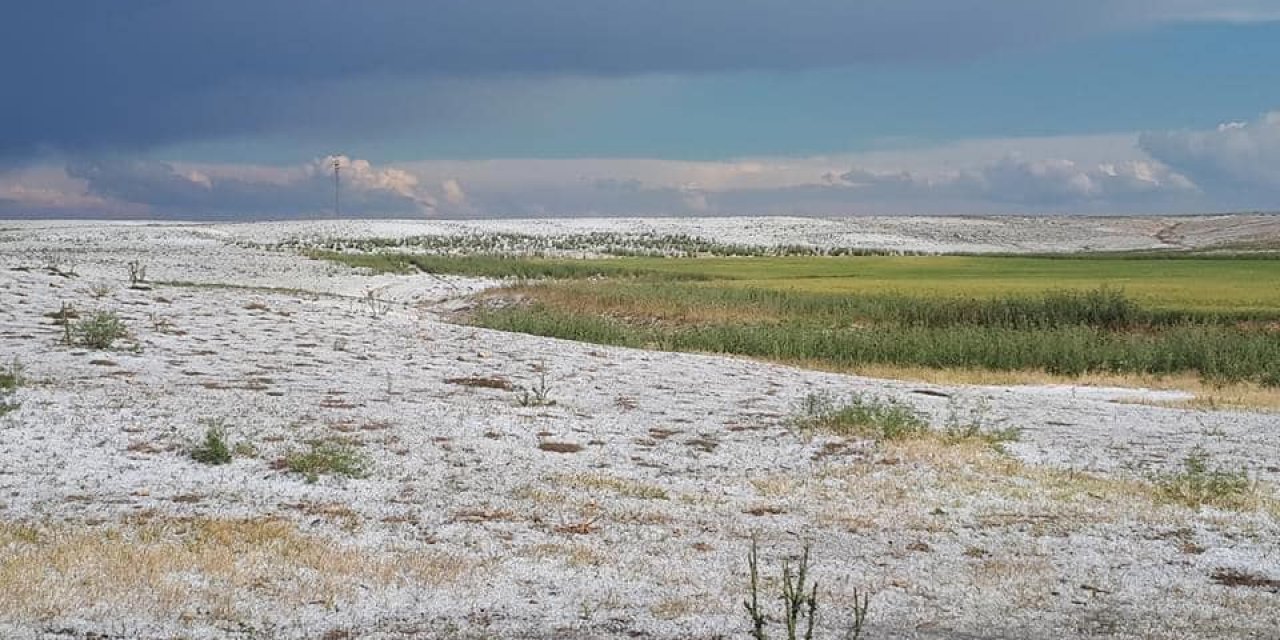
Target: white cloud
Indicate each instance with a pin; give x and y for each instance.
(47, 191)
(363, 178)
(1015, 179)
(453, 192)
(1064, 182)
(175, 190)
(1239, 160)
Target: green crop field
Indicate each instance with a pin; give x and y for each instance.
(1206, 283)
(1214, 317)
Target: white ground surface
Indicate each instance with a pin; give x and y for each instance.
(684, 457)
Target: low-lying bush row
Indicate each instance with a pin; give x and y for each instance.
(495, 266)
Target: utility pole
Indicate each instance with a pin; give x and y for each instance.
(337, 188)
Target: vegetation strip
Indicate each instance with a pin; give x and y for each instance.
(1217, 319)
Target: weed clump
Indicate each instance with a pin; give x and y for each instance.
(859, 416)
(1199, 485)
(973, 424)
(799, 595)
(536, 395)
(214, 449)
(11, 377)
(98, 331)
(328, 458)
(137, 275)
(375, 303)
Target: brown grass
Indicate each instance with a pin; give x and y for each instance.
(482, 514)
(489, 382)
(913, 485)
(573, 555)
(560, 447)
(604, 482)
(673, 607)
(1238, 578)
(185, 568)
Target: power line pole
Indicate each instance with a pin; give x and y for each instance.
(337, 188)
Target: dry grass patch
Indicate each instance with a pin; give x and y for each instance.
(539, 496)
(915, 484)
(560, 447)
(483, 382)
(641, 517)
(580, 528)
(1238, 578)
(573, 555)
(973, 467)
(613, 484)
(337, 513)
(776, 485)
(673, 607)
(482, 514)
(202, 568)
(1075, 497)
(942, 453)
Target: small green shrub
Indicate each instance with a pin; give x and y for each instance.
(11, 378)
(98, 331)
(972, 432)
(538, 395)
(1198, 484)
(859, 416)
(214, 449)
(328, 458)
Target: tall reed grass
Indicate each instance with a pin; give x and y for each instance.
(1105, 308)
(1217, 353)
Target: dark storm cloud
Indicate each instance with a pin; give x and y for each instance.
(129, 74)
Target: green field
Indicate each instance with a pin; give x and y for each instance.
(1215, 317)
(1209, 283)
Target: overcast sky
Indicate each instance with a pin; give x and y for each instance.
(192, 109)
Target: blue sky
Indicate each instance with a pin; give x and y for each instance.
(151, 108)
